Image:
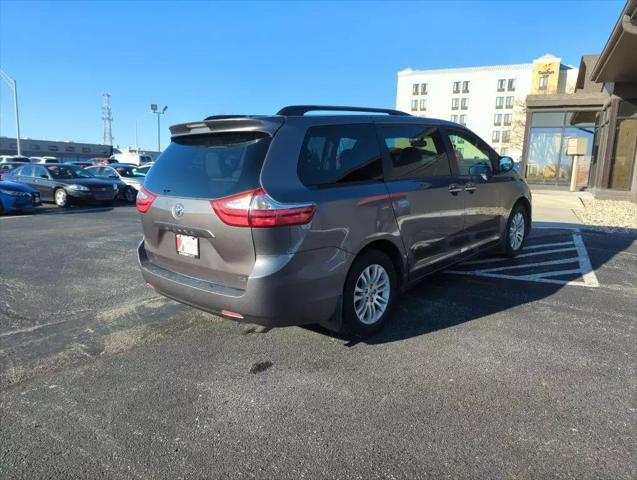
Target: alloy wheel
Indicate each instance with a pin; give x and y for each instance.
(516, 231)
(371, 294)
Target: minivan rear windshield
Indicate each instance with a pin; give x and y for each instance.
(210, 165)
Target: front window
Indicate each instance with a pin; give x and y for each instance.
(470, 152)
(63, 172)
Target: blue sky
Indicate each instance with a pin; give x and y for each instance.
(203, 58)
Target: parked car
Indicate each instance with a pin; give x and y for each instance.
(14, 159)
(44, 160)
(102, 160)
(80, 163)
(143, 170)
(124, 172)
(133, 157)
(16, 196)
(64, 184)
(7, 167)
(299, 219)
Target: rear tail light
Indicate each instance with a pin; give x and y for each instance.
(256, 209)
(144, 200)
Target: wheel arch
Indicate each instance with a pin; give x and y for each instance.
(390, 249)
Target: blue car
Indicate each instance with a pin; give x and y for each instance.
(16, 196)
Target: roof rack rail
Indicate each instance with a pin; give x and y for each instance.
(299, 110)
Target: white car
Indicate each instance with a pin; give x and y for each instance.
(127, 173)
(44, 160)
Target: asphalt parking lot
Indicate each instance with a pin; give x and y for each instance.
(518, 368)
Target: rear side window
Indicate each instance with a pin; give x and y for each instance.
(209, 166)
(26, 171)
(339, 154)
(416, 151)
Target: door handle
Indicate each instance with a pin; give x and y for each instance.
(469, 187)
(454, 189)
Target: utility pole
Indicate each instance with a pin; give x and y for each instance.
(12, 84)
(154, 109)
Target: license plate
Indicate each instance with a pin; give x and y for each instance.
(187, 245)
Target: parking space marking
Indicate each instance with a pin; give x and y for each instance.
(575, 245)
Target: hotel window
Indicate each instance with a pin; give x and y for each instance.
(501, 84)
(423, 104)
(497, 119)
(423, 89)
(544, 82)
(507, 119)
(454, 118)
(53, 148)
(511, 85)
(69, 149)
(495, 137)
(35, 147)
(414, 88)
(463, 120)
(504, 151)
(509, 103)
(454, 103)
(499, 102)
(465, 87)
(464, 103)
(414, 105)
(456, 87)
(86, 150)
(506, 136)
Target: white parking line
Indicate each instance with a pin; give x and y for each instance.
(576, 245)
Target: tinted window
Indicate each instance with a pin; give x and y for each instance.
(339, 154)
(470, 151)
(416, 151)
(26, 171)
(128, 172)
(209, 166)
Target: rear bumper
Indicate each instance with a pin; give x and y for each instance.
(296, 289)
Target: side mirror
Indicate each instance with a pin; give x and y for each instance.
(506, 164)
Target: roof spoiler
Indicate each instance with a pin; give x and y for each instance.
(300, 110)
(228, 123)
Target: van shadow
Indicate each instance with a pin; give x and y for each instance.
(445, 300)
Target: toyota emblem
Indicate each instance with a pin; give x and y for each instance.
(178, 210)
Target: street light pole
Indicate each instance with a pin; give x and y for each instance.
(154, 109)
(12, 83)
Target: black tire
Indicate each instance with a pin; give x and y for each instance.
(130, 194)
(1, 208)
(60, 194)
(352, 322)
(512, 247)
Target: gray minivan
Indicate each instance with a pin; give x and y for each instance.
(296, 219)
